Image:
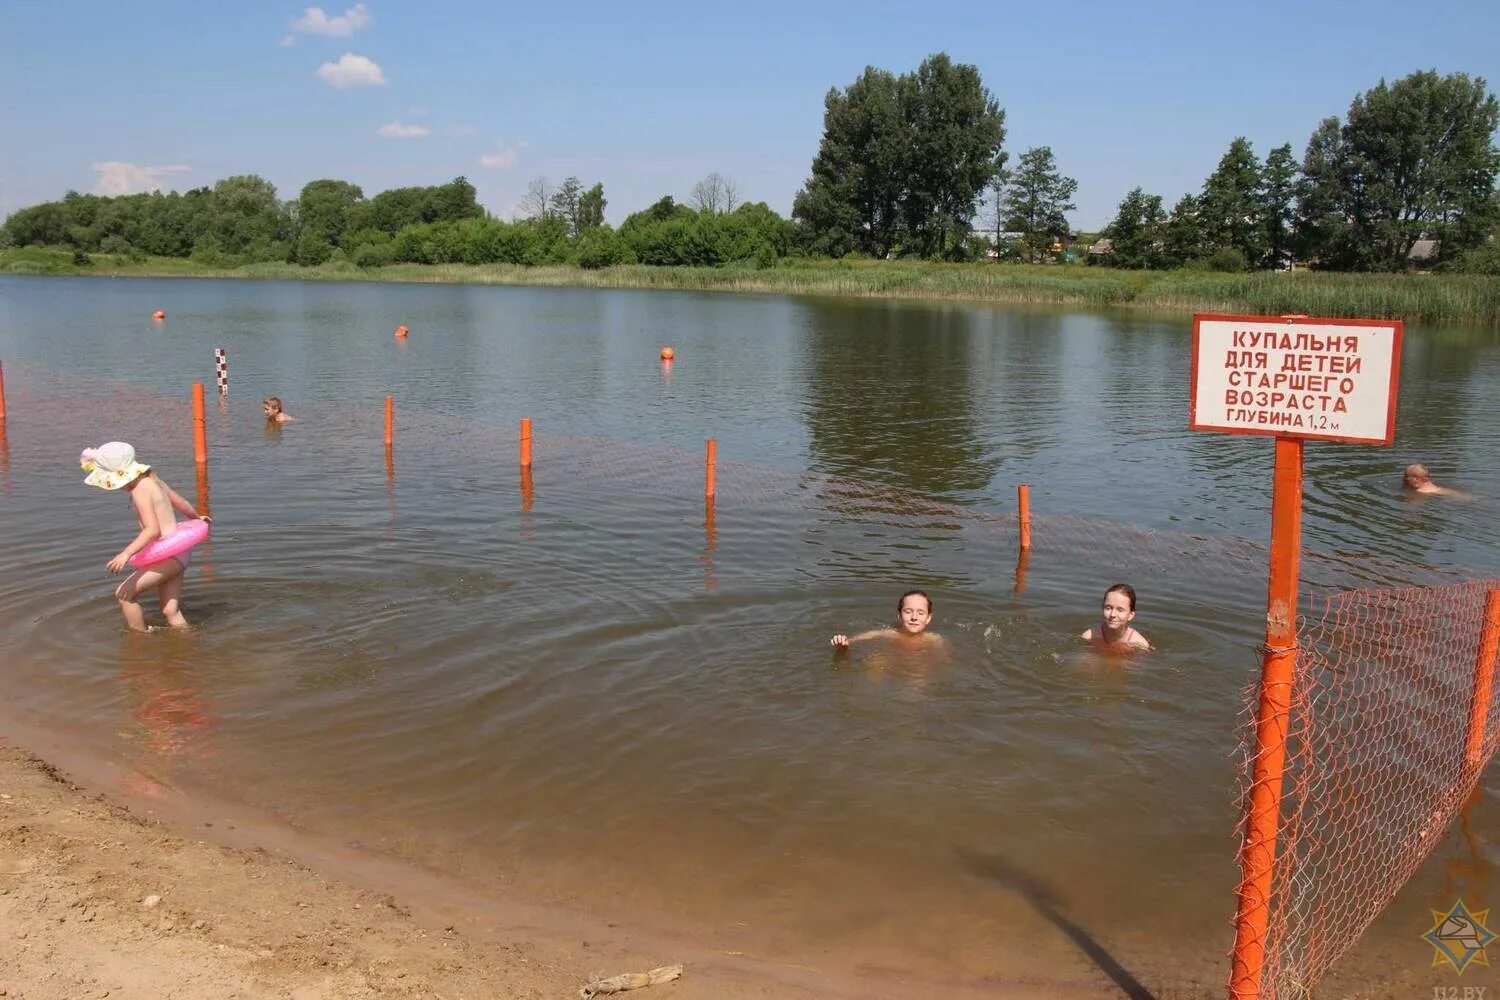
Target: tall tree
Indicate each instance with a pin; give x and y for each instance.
(564, 203)
(1183, 237)
(715, 194)
(591, 208)
(1037, 201)
(536, 202)
(1278, 193)
(1230, 207)
(956, 130)
(852, 201)
(902, 161)
(1323, 234)
(323, 210)
(1415, 158)
(1139, 231)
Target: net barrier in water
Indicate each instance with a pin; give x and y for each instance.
(1392, 711)
(1393, 718)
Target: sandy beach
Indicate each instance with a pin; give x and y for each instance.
(100, 898)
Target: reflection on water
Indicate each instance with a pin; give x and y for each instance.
(585, 681)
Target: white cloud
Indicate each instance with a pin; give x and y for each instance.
(462, 131)
(500, 159)
(116, 177)
(351, 71)
(401, 130)
(314, 21)
(288, 41)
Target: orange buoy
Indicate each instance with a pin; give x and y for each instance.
(402, 331)
(667, 354)
(159, 315)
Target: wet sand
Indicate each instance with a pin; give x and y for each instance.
(111, 886)
(103, 899)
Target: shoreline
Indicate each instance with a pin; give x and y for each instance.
(247, 906)
(1471, 300)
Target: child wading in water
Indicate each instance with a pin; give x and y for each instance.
(913, 615)
(113, 466)
(1114, 633)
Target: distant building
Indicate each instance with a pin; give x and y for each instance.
(1424, 252)
(1101, 248)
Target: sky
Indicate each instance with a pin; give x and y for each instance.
(649, 98)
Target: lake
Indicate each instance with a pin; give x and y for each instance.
(590, 688)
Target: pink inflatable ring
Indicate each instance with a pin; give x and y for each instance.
(183, 537)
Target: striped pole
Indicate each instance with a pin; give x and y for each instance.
(221, 366)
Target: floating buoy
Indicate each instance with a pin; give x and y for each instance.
(401, 331)
(667, 354)
(159, 314)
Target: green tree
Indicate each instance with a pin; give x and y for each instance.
(246, 220)
(956, 129)
(1138, 232)
(902, 162)
(1183, 236)
(1323, 234)
(1037, 200)
(1278, 195)
(591, 208)
(564, 203)
(852, 201)
(1412, 159)
(1230, 207)
(323, 211)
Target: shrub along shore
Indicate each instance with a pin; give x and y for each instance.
(1418, 298)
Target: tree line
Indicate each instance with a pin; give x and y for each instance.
(903, 168)
(239, 220)
(1411, 161)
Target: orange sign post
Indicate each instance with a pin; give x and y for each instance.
(1292, 378)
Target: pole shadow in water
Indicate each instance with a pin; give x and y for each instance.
(1044, 900)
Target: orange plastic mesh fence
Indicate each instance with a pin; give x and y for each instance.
(1383, 708)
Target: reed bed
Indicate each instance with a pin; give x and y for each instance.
(1424, 298)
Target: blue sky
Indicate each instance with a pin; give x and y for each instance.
(650, 97)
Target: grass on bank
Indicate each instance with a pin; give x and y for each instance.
(1427, 298)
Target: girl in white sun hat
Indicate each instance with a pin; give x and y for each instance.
(112, 467)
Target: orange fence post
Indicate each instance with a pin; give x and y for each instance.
(528, 491)
(2, 392)
(1023, 559)
(1263, 815)
(1484, 677)
(525, 442)
(390, 421)
(202, 497)
(1023, 501)
(709, 458)
(200, 426)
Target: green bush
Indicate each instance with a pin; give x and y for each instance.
(1227, 259)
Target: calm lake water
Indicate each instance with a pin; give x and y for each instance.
(594, 690)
